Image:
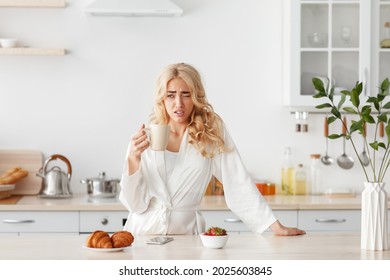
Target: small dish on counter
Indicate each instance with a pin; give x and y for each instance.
(214, 242)
(103, 250)
(8, 43)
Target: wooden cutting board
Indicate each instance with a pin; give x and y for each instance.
(32, 161)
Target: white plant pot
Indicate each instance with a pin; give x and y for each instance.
(374, 217)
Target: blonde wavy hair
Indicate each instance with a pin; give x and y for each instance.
(205, 128)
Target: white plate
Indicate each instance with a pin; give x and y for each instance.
(103, 250)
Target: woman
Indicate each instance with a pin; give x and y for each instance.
(163, 189)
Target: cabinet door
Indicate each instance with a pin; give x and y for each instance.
(110, 221)
(232, 223)
(329, 220)
(323, 39)
(23, 221)
(380, 43)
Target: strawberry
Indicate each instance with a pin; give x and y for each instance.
(215, 231)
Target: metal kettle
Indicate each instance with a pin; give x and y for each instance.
(55, 183)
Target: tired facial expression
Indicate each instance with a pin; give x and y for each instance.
(178, 101)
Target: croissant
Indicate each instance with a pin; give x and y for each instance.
(121, 239)
(99, 239)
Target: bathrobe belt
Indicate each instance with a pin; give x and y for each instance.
(166, 209)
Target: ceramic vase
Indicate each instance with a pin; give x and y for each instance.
(374, 217)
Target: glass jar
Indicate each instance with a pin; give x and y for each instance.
(287, 172)
(314, 180)
(299, 182)
(385, 43)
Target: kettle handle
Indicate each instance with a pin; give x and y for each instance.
(57, 156)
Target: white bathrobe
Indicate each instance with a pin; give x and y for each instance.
(155, 210)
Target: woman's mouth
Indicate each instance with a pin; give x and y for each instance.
(179, 113)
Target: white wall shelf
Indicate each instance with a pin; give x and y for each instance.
(32, 51)
(33, 3)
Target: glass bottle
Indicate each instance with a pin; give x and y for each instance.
(314, 180)
(287, 172)
(299, 182)
(385, 43)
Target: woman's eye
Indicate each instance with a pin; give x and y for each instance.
(170, 96)
(186, 95)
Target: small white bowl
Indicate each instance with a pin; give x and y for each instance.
(8, 43)
(215, 242)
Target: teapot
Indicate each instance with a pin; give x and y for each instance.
(55, 183)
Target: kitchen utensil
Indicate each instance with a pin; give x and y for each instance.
(101, 187)
(55, 183)
(327, 160)
(345, 161)
(364, 156)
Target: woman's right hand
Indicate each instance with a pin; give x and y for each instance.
(139, 143)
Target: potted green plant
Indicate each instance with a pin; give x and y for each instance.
(373, 111)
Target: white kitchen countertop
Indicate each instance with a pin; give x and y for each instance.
(81, 202)
(312, 246)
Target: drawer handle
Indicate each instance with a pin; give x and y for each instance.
(331, 220)
(18, 221)
(232, 220)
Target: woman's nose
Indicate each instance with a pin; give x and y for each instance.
(178, 100)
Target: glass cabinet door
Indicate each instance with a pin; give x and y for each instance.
(328, 40)
(330, 48)
(382, 43)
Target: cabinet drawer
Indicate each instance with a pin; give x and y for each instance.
(329, 220)
(224, 219)
(24, 221)
(110, 221)
(229, 221)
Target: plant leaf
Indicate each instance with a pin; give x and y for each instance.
(387, 130)
(359, 87)
(350, 110)
(374, 145)
(320, 95)
(335, 136)
(368, 118)
(356, 125)
(387, 105)
(355, 98)
(385, 87)
(382, 145)
(382, 117)
(331, 94)
(331, 119)
(325, 105)
(341, 102)
(335, 112)
(318, 84)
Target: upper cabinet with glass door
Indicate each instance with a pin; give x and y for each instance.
(328, 39)
(380, 43)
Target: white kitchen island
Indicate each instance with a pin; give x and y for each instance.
(248, 246)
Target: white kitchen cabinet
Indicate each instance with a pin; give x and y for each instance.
(335, 39)
(110, 221)
(39, 221)
(329, 220)
(229, 221)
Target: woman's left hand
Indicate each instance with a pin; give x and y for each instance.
(281, 230)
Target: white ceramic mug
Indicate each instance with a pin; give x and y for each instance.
(159, 135)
